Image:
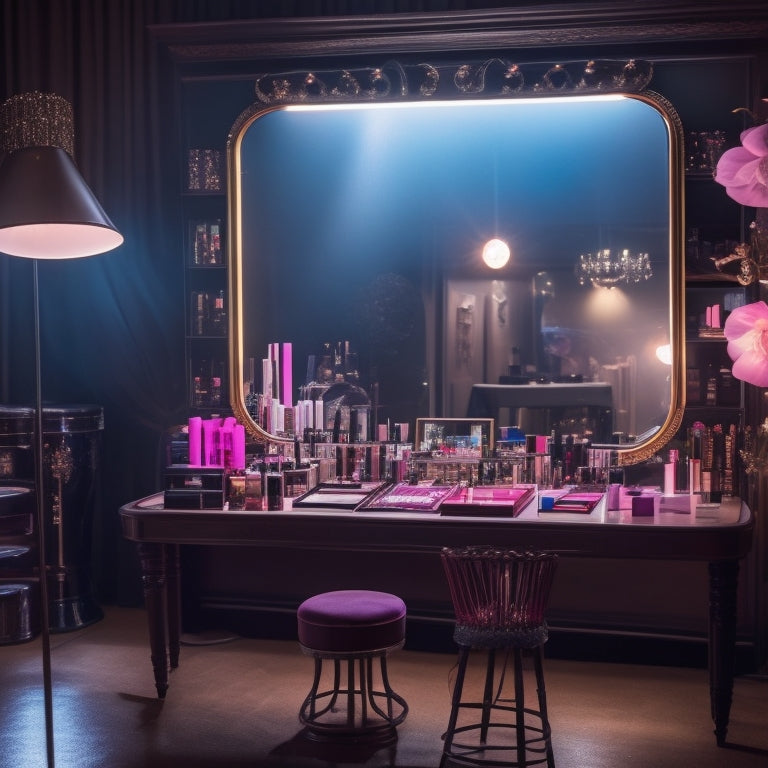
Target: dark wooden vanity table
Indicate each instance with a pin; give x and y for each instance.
(718, 536)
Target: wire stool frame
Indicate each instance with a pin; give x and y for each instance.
(499, 598)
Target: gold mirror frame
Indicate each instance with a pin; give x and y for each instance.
(345, 87)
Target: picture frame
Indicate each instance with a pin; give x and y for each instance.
(461, 437)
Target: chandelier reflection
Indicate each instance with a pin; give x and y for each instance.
(606, 269)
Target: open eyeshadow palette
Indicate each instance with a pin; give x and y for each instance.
(477, 501)
(582, 502)
(409, 498)
(337, 495)
(488, 500)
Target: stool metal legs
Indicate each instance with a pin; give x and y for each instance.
(532, 743)
(375, 721)
(538, 662)
(455, 703)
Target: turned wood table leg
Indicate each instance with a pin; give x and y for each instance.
(723, 581)
(173, 592)
(153, 574)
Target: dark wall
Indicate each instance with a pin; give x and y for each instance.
(112, 325)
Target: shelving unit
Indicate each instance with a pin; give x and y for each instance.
(713, 225)
(208, 108)
(207, 300)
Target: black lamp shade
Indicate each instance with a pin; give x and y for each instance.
(47, 211)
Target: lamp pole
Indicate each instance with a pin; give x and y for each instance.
(45, 632)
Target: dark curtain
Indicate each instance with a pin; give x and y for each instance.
(112, 325)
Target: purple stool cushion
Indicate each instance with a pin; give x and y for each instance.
(351, 621)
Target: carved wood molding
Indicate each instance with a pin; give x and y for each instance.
(526, 27)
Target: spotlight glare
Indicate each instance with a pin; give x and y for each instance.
(496, 253)
(664, 354)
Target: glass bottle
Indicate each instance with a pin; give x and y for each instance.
(215, 391)
(219, 315)
(711, 396)
(197, 392)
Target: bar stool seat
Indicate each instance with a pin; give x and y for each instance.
(499, 597)
(352, 628)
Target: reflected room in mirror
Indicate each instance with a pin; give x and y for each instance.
(360, 225)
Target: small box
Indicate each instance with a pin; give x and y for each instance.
(236, 492)
(253, 491)
(189, 487)
(299, 481)
(643, 506)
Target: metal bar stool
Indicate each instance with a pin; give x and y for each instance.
(352, 627)
(499, 598)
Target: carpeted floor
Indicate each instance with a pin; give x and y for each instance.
(234, 705)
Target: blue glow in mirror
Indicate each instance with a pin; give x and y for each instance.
(362, 221)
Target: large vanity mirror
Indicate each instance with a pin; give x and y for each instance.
(358, 227)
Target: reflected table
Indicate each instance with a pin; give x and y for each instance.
(719, 536)
(487, 400)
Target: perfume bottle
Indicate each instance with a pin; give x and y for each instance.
(199, 312)
(514, 367)
(219, 315)
(711, 392)
(325, 365)
(200, 245)
(338, 362)
(215, 243)
(236, 491)
(215, 394)
(670, 473)
(275, 491)
(198, 396)
(253, 490)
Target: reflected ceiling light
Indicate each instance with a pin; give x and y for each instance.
(388, 105)
(496, 253)
(664, 354)
(606, 269)
(607, 305)
(543, 285)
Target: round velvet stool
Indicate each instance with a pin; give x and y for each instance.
(352, 629)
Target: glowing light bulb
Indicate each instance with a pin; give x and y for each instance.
(495, 253)
(664, 354)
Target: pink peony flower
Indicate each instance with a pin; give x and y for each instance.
(743, 171)
(746, 330)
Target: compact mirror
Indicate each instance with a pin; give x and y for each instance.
(361, 225)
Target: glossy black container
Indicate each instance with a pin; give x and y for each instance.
(71, 472)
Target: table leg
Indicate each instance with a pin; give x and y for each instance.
(173, 591)
(153, 576)
(723, 581)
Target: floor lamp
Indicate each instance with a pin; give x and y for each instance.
(47, 211)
